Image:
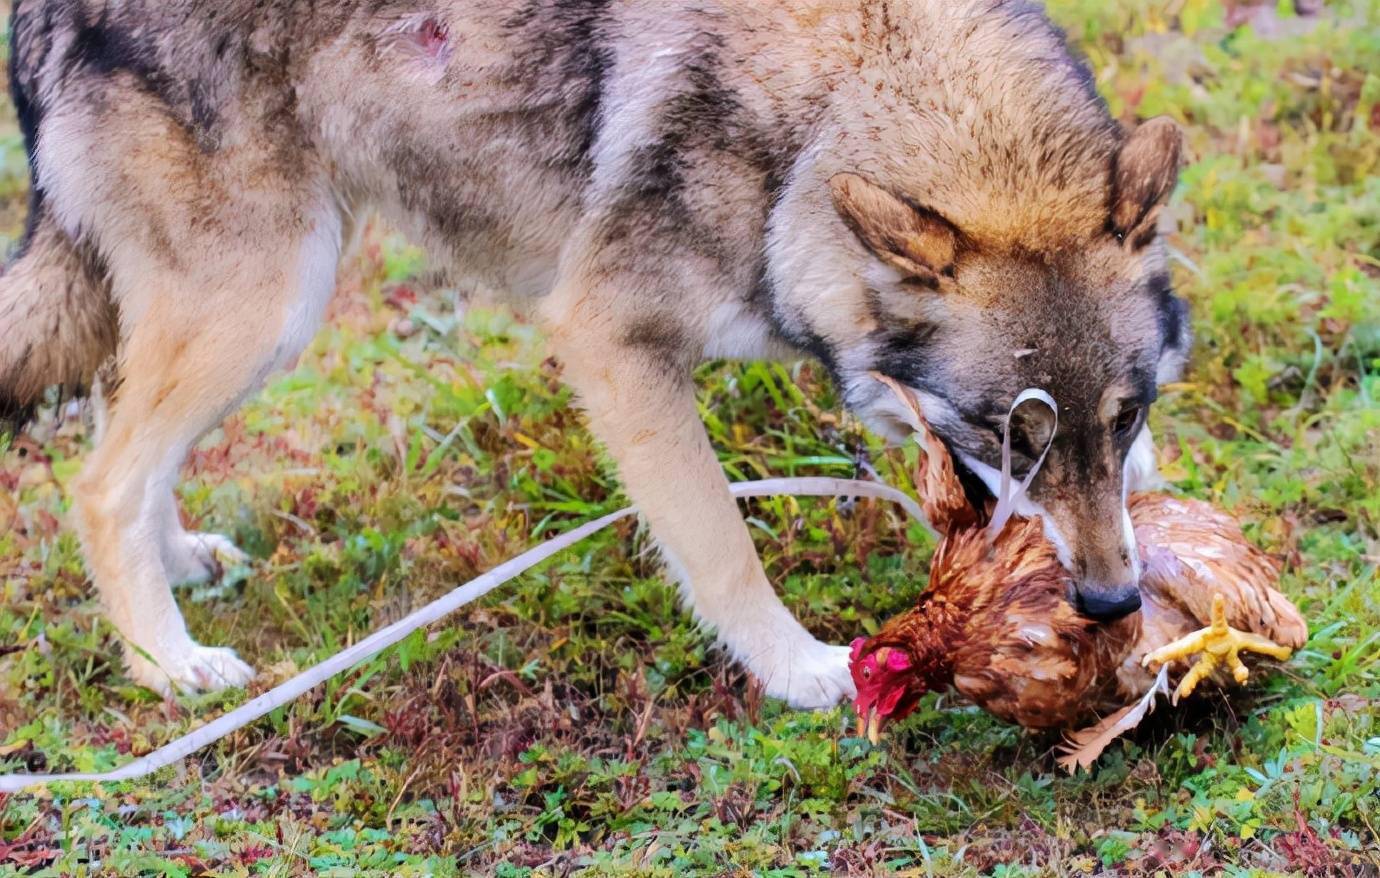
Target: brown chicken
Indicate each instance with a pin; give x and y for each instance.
(997, 625)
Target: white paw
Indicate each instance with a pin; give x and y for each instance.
(193, 668)
(197, 557)
(806, 674)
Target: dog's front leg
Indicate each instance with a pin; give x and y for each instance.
(635, 385)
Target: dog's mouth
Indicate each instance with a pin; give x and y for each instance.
(887, 419)
(974, 488)
(888, 424)
(880, 411)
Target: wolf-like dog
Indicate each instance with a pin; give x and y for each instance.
(931, 189)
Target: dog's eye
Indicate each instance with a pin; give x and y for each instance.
(1128, 420)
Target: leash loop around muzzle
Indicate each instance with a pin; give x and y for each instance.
(1012, 492)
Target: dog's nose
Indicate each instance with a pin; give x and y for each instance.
(1108, 605)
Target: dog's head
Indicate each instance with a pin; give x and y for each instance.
(969, 326)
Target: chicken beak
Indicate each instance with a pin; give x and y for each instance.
(870, 726)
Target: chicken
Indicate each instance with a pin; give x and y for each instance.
(996, 622)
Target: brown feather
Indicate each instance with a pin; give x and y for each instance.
(1082, 749)
(997, 625)
(1193, 551)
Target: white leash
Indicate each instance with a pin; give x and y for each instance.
(1009, 497)
(180, 749)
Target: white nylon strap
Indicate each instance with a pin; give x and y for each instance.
(177, 750)
(1009, 498)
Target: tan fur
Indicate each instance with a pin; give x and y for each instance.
(916, 243)
(1146, 172)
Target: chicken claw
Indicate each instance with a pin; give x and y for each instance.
(1216, 646)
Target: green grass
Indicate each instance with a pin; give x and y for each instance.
(578, 721)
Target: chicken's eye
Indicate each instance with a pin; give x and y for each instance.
(867, 673)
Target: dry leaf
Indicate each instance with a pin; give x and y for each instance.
(1084, 747)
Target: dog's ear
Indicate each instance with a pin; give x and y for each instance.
(914, 240)
(1146, 172)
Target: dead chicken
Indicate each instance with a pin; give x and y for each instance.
(997, 625)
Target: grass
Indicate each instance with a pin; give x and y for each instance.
(578, 723)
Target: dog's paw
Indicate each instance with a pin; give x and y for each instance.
(807, 676)
(193, 668)
(197, 557)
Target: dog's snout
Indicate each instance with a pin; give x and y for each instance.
(1107, 577)
(1108, 604)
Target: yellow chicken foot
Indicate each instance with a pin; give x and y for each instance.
(1216, 646)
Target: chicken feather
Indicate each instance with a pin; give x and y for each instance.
(996, 623)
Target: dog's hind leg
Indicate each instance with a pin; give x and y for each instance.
(220, 264)
(187, 557)
(190, 556)
(185, 364)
